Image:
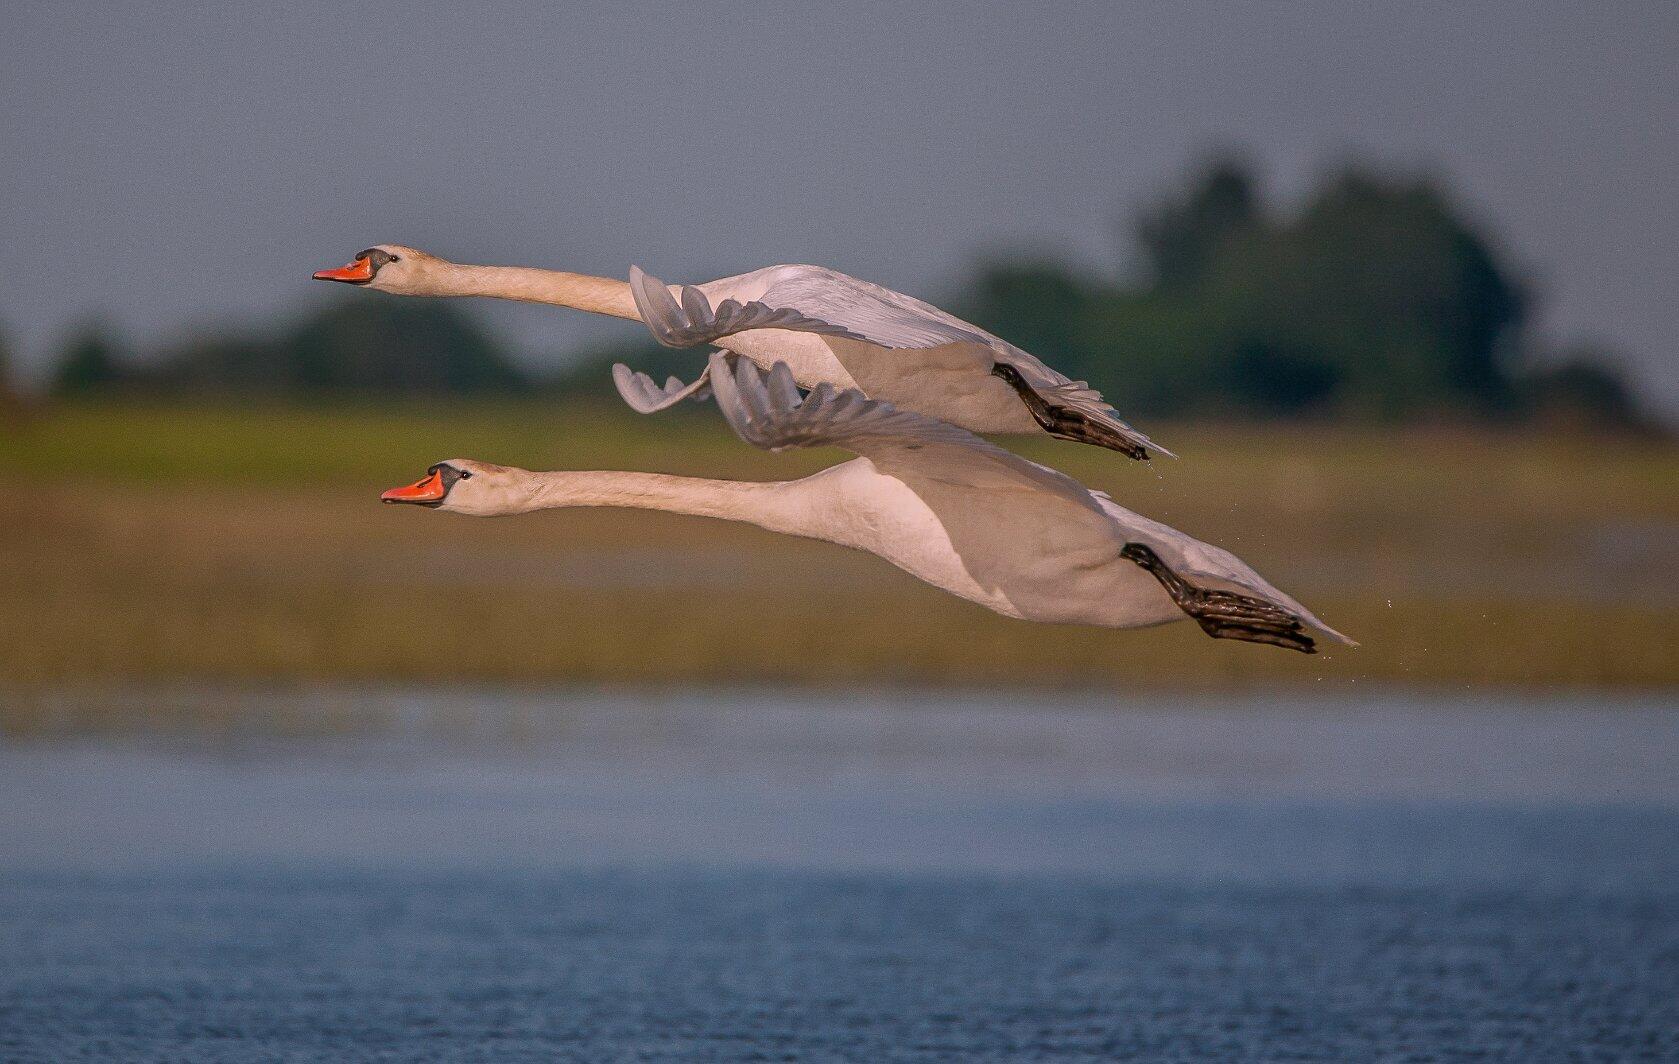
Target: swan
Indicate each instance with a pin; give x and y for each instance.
(828, 327)
(933, 499)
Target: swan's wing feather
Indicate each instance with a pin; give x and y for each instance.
(693, 321)
(801, 299)
(645, 396)
(1207, 564)
(888, 319)
(765, 410)
(1087, 402)
(881, 316)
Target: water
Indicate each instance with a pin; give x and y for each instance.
(885, 877)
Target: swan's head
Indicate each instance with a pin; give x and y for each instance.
(393, 268)
(463, 486)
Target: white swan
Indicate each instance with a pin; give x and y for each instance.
(828, 327)
(935, 500)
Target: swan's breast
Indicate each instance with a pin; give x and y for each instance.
(855, 505)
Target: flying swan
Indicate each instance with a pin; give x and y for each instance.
(936, 501)
(828, 327)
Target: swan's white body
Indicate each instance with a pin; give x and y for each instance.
(935, 500)
(1038, 561)
(828, 327)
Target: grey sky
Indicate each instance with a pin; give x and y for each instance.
(172, 165)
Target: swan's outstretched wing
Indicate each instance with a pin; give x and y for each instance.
(694, 321)
(816, 300)
(1210, 568)
(766, 410)
(645, 396)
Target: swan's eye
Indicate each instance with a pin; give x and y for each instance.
(394, 258)
(465, 475)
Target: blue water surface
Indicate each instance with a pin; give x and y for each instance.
(760, 877)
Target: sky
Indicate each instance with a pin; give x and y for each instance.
(170, 167)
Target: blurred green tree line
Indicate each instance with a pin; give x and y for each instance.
(1374, 299)
(356, 345)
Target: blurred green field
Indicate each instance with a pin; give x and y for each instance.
(154, 544)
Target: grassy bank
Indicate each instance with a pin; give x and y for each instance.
(164, 544)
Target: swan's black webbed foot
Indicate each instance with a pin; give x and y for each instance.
(1225, 614)
(1065, 423)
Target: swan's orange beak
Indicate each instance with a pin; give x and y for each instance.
(357, 272)
(430, 489)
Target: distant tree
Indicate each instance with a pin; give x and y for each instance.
(15, 407)
(1154, 352)
(88, 363)
(1180, 236)
(1376, 298)
(1580, 389)
(380, 344)
(1037, 305)
(396, 345)
(8, 398)
(226, 364)
(1378, 295)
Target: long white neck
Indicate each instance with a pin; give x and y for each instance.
(769, 505)
(597, 295)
